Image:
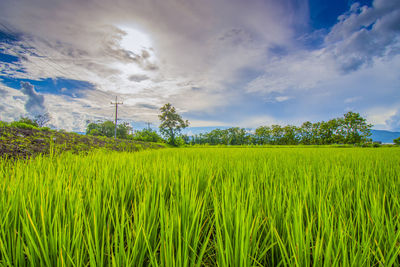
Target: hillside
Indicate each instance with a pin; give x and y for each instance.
(17, 142)
(384, 136)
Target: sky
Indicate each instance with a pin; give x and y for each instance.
(221, 63)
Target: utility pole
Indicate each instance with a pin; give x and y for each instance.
(148, 125)
(116, 103)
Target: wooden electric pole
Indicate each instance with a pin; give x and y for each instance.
(116, 103)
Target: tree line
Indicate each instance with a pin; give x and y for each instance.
(171, 124)
(349, 129)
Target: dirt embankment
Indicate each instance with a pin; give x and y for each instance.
(24, 143)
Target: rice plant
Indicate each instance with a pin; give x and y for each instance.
(203, 207)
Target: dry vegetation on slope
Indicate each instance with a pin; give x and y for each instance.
(25, 141)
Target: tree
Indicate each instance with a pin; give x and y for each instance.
(276, 134)
(354, 128)
(147, 135)
(397, 141)
(123, 130)
(107, 128)
(171, 123)
(263, 135)
(306, 133)
(328, 132)
(28, 121)
(42, 119)
(290, 135)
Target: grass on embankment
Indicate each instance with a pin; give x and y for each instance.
(23, 141)
(195, 207)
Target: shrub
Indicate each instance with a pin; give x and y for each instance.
(397, 141)
(4, 124)
(28, 121)
(23, 125)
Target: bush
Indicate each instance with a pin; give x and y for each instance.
(397, 141)
(147, 135)
(3, 124)
(28, 121)
(23, 125)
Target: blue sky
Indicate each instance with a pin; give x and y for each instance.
(220, 63)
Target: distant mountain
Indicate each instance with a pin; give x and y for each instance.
(384, 136)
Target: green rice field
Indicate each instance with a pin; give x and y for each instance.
(277, 206)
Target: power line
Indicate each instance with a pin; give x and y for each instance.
(41, 57)
(116, 103)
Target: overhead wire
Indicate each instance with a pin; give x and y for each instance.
(40, 55)
(68, 77)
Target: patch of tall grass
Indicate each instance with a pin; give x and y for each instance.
(203, 207)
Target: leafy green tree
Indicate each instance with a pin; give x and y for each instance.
(306, 133)
(397, 141)
(215, 137)
(290, 135)
(107, 128)
(316, 134)
(28, 121)
(328, 132)
(276, 134)
(123, 130)
(171, 123)
(186, 139)
(237, 136)
(263, 135)
(354, 128)
(42, 119)
(147, 135)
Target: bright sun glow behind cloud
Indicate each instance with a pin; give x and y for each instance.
(224, 62)
(135, 40)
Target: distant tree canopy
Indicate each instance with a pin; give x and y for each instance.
(349, 129)
(28, 121)
(39, 120)
(397, 141)
(42, 119)
(107, 128)
(147, 135)
(171, 123)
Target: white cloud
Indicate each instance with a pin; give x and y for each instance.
(208, 123)
(112, 44)
(393, 121)
(302, 70)
(11, 112)
(256, 121)
(282, 98)
(192, 54)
